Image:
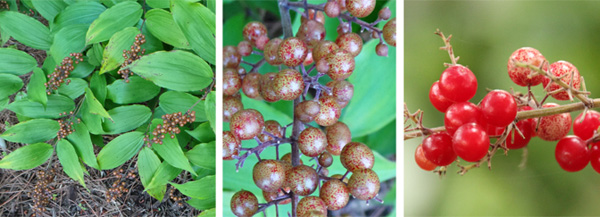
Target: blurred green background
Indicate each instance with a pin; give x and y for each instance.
(370, 115)
(485, 33)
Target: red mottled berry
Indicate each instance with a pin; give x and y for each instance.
(461, 113)
(572, 153)
(244, 48)
(231, 105)
(356, 155)
(498, 108)
(231, 57)
(270, 53)
(270, 196)
(251, 85)
(244, 204)
(266, 88)
(516, 140)
(302, 180)
(339, 177)
(261, 42)
(231, 81)
(329, 113)
(342, 4)
(554, 127)
(309, 59)
(436, 98)
(322, 66)
(595, 156)
(319, 16)
(325, 159)
(246, 124)
(389, 32)
(288, 84)
(332, 9)
(360, 8)
(422, 161)
(438, 149)
(269, 175)
(350, 42)
(231, 145)
(364, 184)
(524, 76)
(471, 142)
(312, 142)
(338, 135)
(309, 204)
(272, 127)
(341, 64)
(254, 30)
(306, 111)
(381, 50)
(335, 194)
(311, 32)
(584, 127)
(571, 77)
(342, 91)
(458, 83)
(385, 13)
(292, 51)
(324, 48)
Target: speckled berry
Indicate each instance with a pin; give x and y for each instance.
(364, 184)
(342, 91)
(261, 42)
(324, 48)
(389, 32)
(253, 30)
(244, 204)
(231, 81)
(335, 194)
(306, 111)
(246, 124)
(270, 53)
(360, 8)
(310, 203)
(270, 196)
(524, 76)
(292, 51)
(302, 180)
(231, 57)
(322, 66)
(571, 77)
(244, 48)
(272, 127)
(311, 32)
(332, 9)
(269, 175)
(266, 88)
(231, 145)
(251, 85)
(554, 127)
(309, 58)
(338, 135)
(288, 84)
(356, 155)
(312, 141)
(350, 42)
(231, 105)
(325, 159)
(330, 111)
(341, 64)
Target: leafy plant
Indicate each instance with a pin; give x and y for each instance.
(123, 81)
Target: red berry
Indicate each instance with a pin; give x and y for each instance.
(356, 155)
(335, 194)
(571, 77)
(311, 32)
(270, 53)
(422, 160)
(532, 121)
(437, 148)
(231, 145)
(288, 84)
(360, 8)
(523, 76)
(251, 85)
(498, 108)
(554, 127)
(231, 81)
(246, 124)
(254, 30)
(272, 127)
(595, 156)
(437, 100)
(364, 184)
(244, 48)
(572, 153)
(350, 42)
(312, 142)
(244, 203)
(461, 113)
(338, 135)
(231, 105)
(269, 175)
(302, 180)
(231, 57)
(292, 51)
(584, 127)
(329, 113)
(309, 204)
(516, 140)
(458, 83)
(341, 64)
(471, 142)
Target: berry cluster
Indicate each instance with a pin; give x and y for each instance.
(119, 186)
(42, 190)
(63, 71)
(66, 125)
(177, 198)
(170, 125)
(282, 179)
(131, 55)
(4, 5)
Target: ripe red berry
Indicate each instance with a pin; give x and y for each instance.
(389, 32)
(251, 85)
(422, 160)
(302, 180)
(231, 145)
(360, 8)
(471, 142)
(254, 30)
(572, 153)
(458, 83)
(341, 64)
(350, 42)
(246, 124)
(312, 142)
(571, 77)
(523, 76)
(335, 194)
(231, 105)
(356, 155)
(437, 99)
(292, 51)
(269, 175)
(595, 156)
(532, 121)
(309, 204)
(516, 140)
(437, 148)
(338, 135)
(364, 184)
(461, 113)
(554, 127)
(244, 204)
(584, 127)
(498, 108)
(329, 113)
(288, 84)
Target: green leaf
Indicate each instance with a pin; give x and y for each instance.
(157, 4)
(56, 104)
(200, 189)
(112, 20)
(36, 91)
(9, 84)
(78, 13)
(98, 87)
(202, 204)
(206, 213)
(49, 8)
(198, 25)
(27, 157)
(377, 106)
(176, 70)
(203, 155)
(94, 54)
(147, 164)
(92, 121)
(203, 133)
(49, 64)
(171, 152)
(15, 62)
(157, 186)
(69, 160)
(3, 103)
(112, 57)
(136, 91)
(82, 70)
(70, 39)
(126, 118)
(94, 106)
(32, 131)
(152, 44)
(173, 101)
(83, 144)
(161, 24)
(211, 110)
(26, 30)
(265, 108)
(74, 89)
(120, 150)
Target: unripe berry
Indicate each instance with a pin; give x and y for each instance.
(254, 30)
(381, 50)
(270, 53)
(270, 196)
(360, 8)
(318, 16)
(261, 42)
(306, 111)
(322, 66)
(571, 77)
(274, 128)
(332, 9)
(269, 175)
(356, 155)
(335, 194)
(231, 145)
(311, 32)
(312, 142)
(244, 48)
(266, 88)
(292, 51)
(309, 204)
(288, 84)
(350, 42)
(325, 159)
(329, 113)
(385, 13)
(251, 85)
(231, 81)
(324, 48)
(231, 57)
(389, 32)
(302, 180)
(246, 124)
(338, 135)
(231, 105)
(244, 203)
(554, 127)
(364, 184)
(341, 64)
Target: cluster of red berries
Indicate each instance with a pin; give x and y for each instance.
(119, 186)
(170, 125)
(62, 72)
(131, 55)
(42, 190)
